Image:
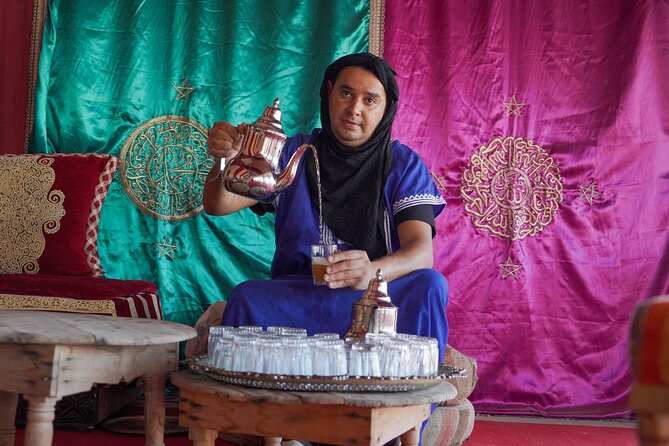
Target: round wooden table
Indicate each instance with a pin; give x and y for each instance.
(48, 355)
(357, 418)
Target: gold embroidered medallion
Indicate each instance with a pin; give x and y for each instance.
(163, 166)
(511, 188)
(28, 210)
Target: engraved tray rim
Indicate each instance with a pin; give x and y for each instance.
(342, 383)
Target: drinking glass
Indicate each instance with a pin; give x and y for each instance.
(319, 261)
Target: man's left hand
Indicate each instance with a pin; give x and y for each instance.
(349, 269)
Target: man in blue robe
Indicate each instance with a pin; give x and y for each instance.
(378, 199)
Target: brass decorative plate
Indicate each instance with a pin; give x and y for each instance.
(343, 383)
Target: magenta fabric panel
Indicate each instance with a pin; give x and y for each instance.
(543, 285)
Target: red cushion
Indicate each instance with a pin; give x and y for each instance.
(80, 294)
(49, 212)
(649, 343)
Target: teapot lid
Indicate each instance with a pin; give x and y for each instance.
(377, 290)
(271, 118)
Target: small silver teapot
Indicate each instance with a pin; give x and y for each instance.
(254, 171)
(374, 312)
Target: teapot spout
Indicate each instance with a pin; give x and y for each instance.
(285, 178)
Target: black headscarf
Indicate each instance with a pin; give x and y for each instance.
(353, 178)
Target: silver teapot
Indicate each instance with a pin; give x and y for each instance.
(374, 312)
(254, 171)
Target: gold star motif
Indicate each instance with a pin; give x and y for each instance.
(166, 248)
(183, 91)
(439, 180)
(509, 268)
(513, 106)
(589, 192)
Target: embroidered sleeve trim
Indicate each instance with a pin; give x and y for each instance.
(414, 200)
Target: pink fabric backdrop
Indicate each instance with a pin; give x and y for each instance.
(550, 333)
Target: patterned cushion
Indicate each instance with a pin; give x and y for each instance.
(50, 210)
(80, 294)
(449, 425)
(464, 386)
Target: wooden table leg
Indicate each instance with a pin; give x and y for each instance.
(39, 420)
(154, 410)
(411, 437)
(272, 441)
(202, 437)
(8, 402)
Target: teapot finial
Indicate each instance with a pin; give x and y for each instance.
(271, 119)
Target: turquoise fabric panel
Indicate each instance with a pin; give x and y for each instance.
(143, 81)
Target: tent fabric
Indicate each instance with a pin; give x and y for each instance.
(144, 82)
(545, 125)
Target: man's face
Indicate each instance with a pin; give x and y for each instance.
(357, 102)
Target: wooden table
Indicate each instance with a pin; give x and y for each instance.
(48, 355)
(360, 418)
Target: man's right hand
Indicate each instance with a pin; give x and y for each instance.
(225, 140)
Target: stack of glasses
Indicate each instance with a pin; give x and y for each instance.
(290, 352)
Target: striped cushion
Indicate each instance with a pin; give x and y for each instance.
(80, 294)
(449, 425)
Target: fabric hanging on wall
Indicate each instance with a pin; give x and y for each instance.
(545, 125)
(18, 20)
(144, 82)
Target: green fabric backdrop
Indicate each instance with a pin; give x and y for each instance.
(143, 81)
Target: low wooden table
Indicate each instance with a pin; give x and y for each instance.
(48, 355)
(361, 418)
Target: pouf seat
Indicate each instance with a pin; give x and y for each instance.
(649, 398)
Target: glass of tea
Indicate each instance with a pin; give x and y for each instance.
(319, 261)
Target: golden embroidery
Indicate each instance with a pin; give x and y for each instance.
(377, 12)
(509, 268)
(184, 90)
(39, 18)
(589, 192)
(513, 106)
(511, 188)
(48, 303)
(28, 209)
(163, 165)
(166, 248)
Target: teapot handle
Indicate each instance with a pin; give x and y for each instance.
(223, 162)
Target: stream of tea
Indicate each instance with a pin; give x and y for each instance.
(320, 197)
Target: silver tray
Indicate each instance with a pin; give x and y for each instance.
(343, 383)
